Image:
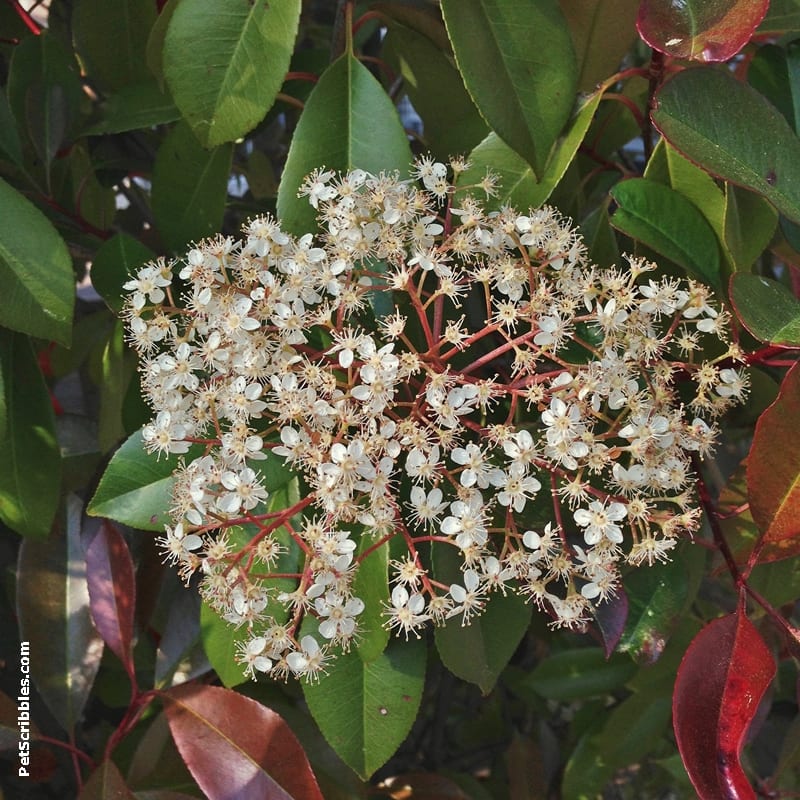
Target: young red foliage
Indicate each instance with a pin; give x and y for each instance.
(721, 679)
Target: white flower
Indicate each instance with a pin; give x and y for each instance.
(600, 521)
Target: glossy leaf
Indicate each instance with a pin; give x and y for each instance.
(602, 32)
(189, 187)
(371, 584)
(104, 783)
(53, 610)
(518, 184)
(422, 17)
(113, 263)
(733, 132)
(703, 30)
(348, 122)
(518, 63)
(773, 466)
(226, 86)
(451, 123)
(111, 40)
(479, 652)
(381, 700)
(656, 596)
(766, 308)
(35, 271)
(31, 472)
(220, 641)
(721, 680)
(112, 591)
(667, 222)
(136, 488)
(235, 747)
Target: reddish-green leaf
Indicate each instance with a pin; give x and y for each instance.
(366, 710)
(721, 680)
(236, 748)
(732, 131)
(611, 618)
(518, 63)
(704, 30)
(112, 591)
(53, 609)
(766, 308)
(348, 122)
(106, 783)
(773, 466)
(30, 475)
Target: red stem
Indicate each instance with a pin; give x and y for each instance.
(30, 23)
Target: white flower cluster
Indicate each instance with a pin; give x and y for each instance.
(422, 374)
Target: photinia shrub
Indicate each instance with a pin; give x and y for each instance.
(397, 398)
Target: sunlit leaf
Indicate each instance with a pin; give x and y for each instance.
(53, 610)
(766, 308)
(704, 30)
(733, 132)
(35, 271)
(667, 222)
(142, 105)
(518, 63)
(235, 747)
(371, 584)
(366, 710)
(112, 591)
(31, 470)
(721, 680)
(348, 122)
(225, 60)
(773, 466)
(189, 187)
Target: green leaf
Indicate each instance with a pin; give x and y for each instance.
(111, 39)
(371, 584)
(656, 596)
(130, 108)
(44, 92)
(630, 732)
(750, 223)
(30, 477)
(113, 263)
(154, 52)
(35, 271)
(220, 642)
(451, 123)
(769, 74)
(518, 184)
(225, 61)
(733, 132)
(767, 309)
(53, 610)
(479, 652)
(518, 63)
(575, 674)
(136, 488)
(667, 222)
(189, 188)
(602, 32)
(9, 138)
(783, 16)
(105, 782)
(348, 122)
(366, 710)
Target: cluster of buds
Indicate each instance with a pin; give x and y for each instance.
(420, 374)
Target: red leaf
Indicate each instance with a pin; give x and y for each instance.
(611, 617)
(112, 591)
(235, 748)
(721, 680)
(773, 468)
(703, 30)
